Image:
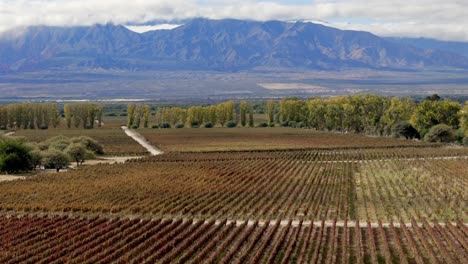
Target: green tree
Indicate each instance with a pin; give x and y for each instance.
(243, 113)
(130, 114)
(99, 112)
(430, 113)
(440, 133)
(146, 115)
(251, 115)
(270, 111)
(464, 118)
(56, 159)
(15, 156)
(77, 152)
(68, 115)
(405, 130)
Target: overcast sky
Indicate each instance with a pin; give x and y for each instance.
(441, 19)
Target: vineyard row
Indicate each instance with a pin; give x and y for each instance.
(58, 239)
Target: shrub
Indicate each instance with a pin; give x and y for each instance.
(55, 159)
(405, 130)
(155, 127)
(272, 125)
(285, 124)
(440, 133)
(263, 124)
(209, 125)
(165, 125)
(59, 145)
(15, 156)
(90, 144)
(194, 124)
(231, 124)
(298, 125)
(37, 158)
(77, 152)
(465, 141)
(134, 127)
(179, 125)
(459, 135)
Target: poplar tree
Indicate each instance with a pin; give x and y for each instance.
(243, 113)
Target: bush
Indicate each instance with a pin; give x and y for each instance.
(194, 124)
(134, 127)
(90, 144)
(155, 127)
(15, 156)
(285, 124)
(165, 125)
(459, 135)
(55, 159)
(263, 124)
(272, 125)
(440, 133)
(465, 141)
(405, 130)
(77, 152)
(209, 125)
(231, 124)
(179, 125)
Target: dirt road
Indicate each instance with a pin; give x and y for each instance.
(142, 141)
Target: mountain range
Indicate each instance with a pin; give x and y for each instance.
(220, 45)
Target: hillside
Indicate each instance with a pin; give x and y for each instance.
(221, 45)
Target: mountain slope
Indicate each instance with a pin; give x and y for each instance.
(222, 45)
(433, 44)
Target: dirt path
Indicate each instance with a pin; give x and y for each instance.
(11, 178)
(8, 134)
(142, 141)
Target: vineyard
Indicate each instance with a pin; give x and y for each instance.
(246, 139)
(62, 239)
(371, 184)
(280, 196)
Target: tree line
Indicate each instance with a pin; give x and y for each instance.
(83, 114)
(368, 114)
(45, 115)
(223, 114)
(29, 116)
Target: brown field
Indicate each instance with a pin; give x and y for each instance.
(114, 140)
(228, 139)
(242, 195)
(372, 184)
(61, 239)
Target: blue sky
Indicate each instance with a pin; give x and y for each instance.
(446, 19)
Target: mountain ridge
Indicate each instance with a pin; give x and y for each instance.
(220, 45)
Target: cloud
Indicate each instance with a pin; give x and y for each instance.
(428, 18)
(141, 29)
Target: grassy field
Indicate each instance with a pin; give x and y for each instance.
(226, 139)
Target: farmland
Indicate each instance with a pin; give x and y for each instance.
(243, 195)
(373, 184)
(226, 139)
(114, 140)
(99, 240)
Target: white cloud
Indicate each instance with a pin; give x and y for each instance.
(142, 29)
(429, 18)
